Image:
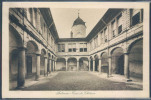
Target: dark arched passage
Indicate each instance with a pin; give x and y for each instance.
(136, 59)
(61, 64)
(72, 64)
(104, 62)
(117, 61)
(83, 64)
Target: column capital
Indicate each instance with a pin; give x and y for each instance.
(22, 48)
(100, 58)
(126, 53)
(109, 56)
(45, 57)
(38, 53)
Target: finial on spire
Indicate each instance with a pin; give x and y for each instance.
(78, 12)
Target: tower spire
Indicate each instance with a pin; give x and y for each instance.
(78, 13)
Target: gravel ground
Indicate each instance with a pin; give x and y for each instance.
(78, 81)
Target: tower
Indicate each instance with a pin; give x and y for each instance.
(78, 29)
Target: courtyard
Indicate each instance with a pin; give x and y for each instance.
(80, 80)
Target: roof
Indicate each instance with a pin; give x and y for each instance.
(46, 13)
(108, 16)
(78, 21)
(71, 39)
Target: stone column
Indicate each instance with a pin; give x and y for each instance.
(77, 65)
(66, 65)
(45, 71)
(55, 64)
(89, 64)
(109, 65)
(38, 67)
(100, 64)
(126, 66)
(21, 68)
(93, 65)
(50, 65)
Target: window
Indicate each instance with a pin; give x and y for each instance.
(95, 41)
(136, 19)
(113, 29)
(61, 47)
(83, 47)
(119, 23)
(102, 37)
(31, 15)
(136, 16)
(71, 47)
(91, 45)
(105, 34)
(51, 41)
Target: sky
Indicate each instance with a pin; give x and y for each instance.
(64, 18)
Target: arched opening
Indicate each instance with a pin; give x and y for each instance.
(104, 62)
(15, 41)
(72, 64)
(31, 58)
(61, 64)
(96, 63)
(118, 61)
(42, 62)
(91, 63)
(83, 64)
(136, 60)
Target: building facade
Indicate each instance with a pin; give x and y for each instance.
(114, 46)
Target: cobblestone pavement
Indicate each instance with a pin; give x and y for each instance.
(78, 81)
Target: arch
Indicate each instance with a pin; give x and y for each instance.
(117, 60)
(91, 63)
(49, 55)
(83, 64)
(15, 41)
(133, 43)
(43, 51)
(116, 49)
(31, 58)
(136, 60)
(61, 64)
(72, 64)
(96, 58)
(104, 62)
(34, 44)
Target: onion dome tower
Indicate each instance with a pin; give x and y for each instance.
(78, 29)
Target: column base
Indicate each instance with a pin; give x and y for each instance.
(109, 76)
(37, 78)
(20, 87)
(128, 80)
